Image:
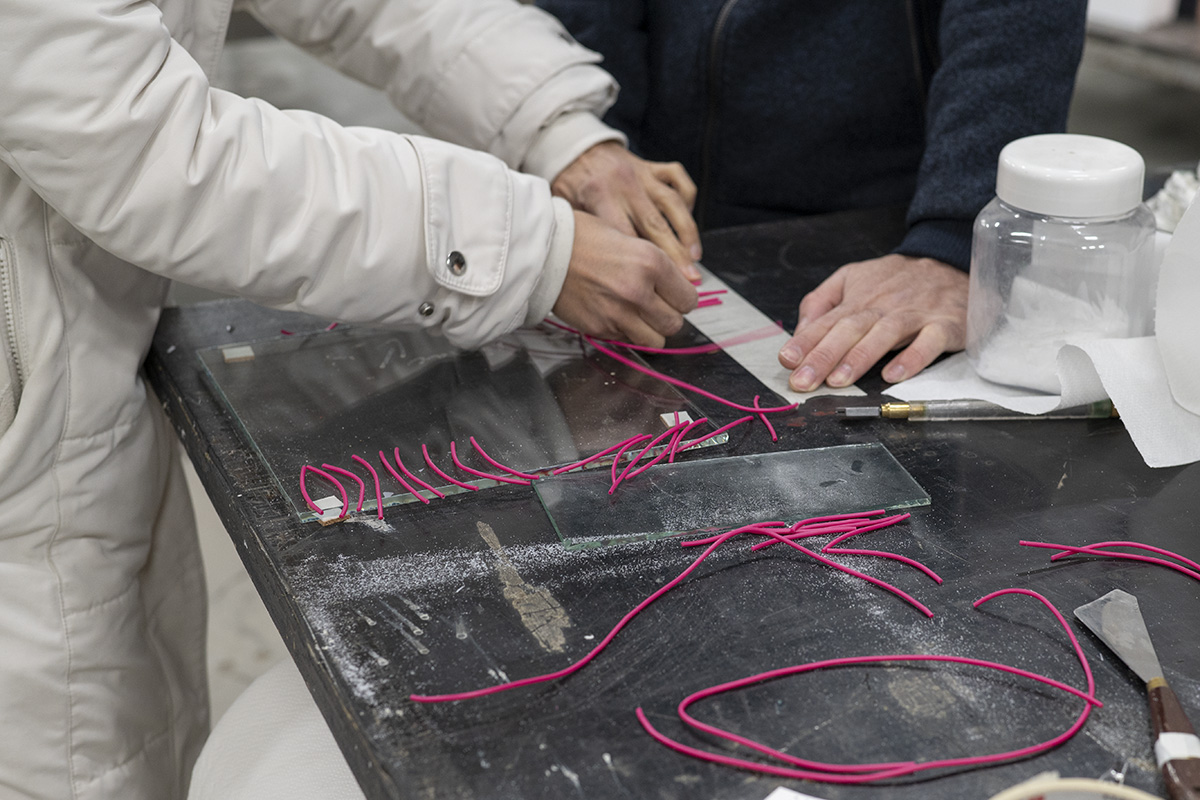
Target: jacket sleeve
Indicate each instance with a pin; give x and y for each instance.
(492, 75)
(115, 126)
(1003, 71)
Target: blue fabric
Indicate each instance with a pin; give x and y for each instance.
(785, 107)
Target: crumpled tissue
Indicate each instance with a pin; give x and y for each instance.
(1154, 381)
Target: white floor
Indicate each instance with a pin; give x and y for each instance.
(243, 643)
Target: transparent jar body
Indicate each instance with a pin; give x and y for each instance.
(1039, 282)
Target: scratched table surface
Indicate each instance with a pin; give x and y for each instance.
(476, 589)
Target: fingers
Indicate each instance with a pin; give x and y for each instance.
(868, 309)
(635, 196)
(622, 287)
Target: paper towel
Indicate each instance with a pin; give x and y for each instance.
(1153, 381)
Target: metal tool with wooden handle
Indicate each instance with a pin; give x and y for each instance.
(1117, 620)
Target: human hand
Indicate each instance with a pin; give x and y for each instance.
(637, 197)
(866, 309)
(622, 287)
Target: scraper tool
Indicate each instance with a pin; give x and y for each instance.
(1117, 620)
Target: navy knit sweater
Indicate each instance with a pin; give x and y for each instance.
(779, 108)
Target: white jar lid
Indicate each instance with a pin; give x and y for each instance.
(1069, 175)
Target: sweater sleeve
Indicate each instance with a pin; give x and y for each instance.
(1003, 71)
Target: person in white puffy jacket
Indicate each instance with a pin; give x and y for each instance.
(121, 168)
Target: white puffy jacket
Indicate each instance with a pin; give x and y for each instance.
(121, 167)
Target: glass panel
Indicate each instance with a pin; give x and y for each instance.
(716, 493)
(533, 400)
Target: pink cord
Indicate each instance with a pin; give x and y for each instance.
(862, 773)
(442, 475)
(285, 332)
(401, 480)
(766, 421)
(498, 465)
(711, 292)
(629, 471)
(331, 479)
(375, 475)
(362, 487)
(589, 459)
(683, 384)
(331, 326)
(628, 443)
(414, 478)
(1091, 551)
(465, 468)
(709, 301)
(712, 435)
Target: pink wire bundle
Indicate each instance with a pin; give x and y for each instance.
(1104, 550)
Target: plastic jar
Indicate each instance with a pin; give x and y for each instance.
(1062, 255)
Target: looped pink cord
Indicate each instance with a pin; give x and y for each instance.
(679, 437)
(863, 773)
(443, 475)
(499, 478)
(1092, 550)
(498, 465)
(362, 487)
(765, 421)
(412, 477)
(683, 384)
(408, 487)
(375, 475)
(331, 479)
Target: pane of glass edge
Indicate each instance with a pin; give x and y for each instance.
(724, 492)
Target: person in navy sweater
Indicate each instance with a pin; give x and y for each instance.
(780, 108)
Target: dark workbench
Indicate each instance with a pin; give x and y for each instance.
(483, 579)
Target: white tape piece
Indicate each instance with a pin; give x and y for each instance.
(783, 793)
(673, 418)
(236, 353)
(1176, 746)
(735, 317)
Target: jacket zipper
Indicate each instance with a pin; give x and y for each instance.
(9, 305)
(712, 110)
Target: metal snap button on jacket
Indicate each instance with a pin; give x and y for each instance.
(425, 309)
(456, 262)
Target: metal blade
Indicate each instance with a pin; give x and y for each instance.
(1117, 620)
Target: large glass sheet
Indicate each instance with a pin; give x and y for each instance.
(717, 493)
(533, 400)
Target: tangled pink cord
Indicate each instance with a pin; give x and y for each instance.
(1192, 570)
(714, 542)
(805, 769)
